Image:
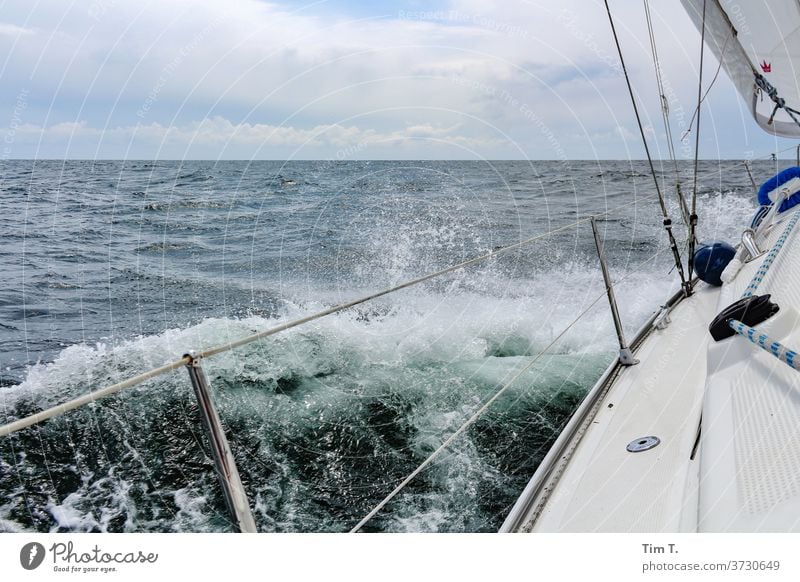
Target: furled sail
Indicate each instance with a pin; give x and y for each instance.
(758, 42)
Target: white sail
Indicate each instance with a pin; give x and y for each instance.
(752, 39)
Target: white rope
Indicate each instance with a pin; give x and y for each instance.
(763, 341)
(665, 116)
(88, 398)
(757, 338)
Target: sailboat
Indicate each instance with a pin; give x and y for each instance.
(696, 425)
(702, 434)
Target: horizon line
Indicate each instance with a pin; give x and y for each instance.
(329, 160)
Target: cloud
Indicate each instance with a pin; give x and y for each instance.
(232, 140)
(14, 30)
(508, 76)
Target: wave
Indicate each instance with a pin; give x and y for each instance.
(326, 419)
(323, 419)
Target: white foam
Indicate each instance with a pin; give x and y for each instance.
(191, 515)
(437, 341)
(70, 516)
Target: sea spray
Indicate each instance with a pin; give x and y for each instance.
(134, 263)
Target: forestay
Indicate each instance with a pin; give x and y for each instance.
(757, 41)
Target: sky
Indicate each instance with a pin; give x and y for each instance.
(346, 80)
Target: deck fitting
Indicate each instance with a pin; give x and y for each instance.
(643, 444)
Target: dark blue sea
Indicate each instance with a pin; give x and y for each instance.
(110, 268)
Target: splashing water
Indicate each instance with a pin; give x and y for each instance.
(119, 267)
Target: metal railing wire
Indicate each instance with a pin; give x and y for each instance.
(235, 496)
(478, 413)
(214, 350)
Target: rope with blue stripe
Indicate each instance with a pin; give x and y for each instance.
(770, 258)
(762, 340)
(777, 349)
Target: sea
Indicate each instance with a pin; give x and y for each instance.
(111, 268)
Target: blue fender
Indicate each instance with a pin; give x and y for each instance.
(710, 260)
(778, 180)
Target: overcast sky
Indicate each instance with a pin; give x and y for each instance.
(340, 79)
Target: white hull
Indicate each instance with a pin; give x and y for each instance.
(727, 415)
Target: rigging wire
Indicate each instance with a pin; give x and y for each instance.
(686, 285)
(231, 344)
(693, 215)
(780, 102)
(710, 85)
(665, 113)
(764, 156)
(750, 175)
(478, 413)
(470, 421)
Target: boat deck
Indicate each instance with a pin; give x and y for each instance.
(750, 462)
(739, 473)
(606, 488)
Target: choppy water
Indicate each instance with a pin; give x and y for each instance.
(110, 268)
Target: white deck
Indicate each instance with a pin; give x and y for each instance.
(750, 462)
(745, 475)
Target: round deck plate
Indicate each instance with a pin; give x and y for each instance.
(643, 444)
